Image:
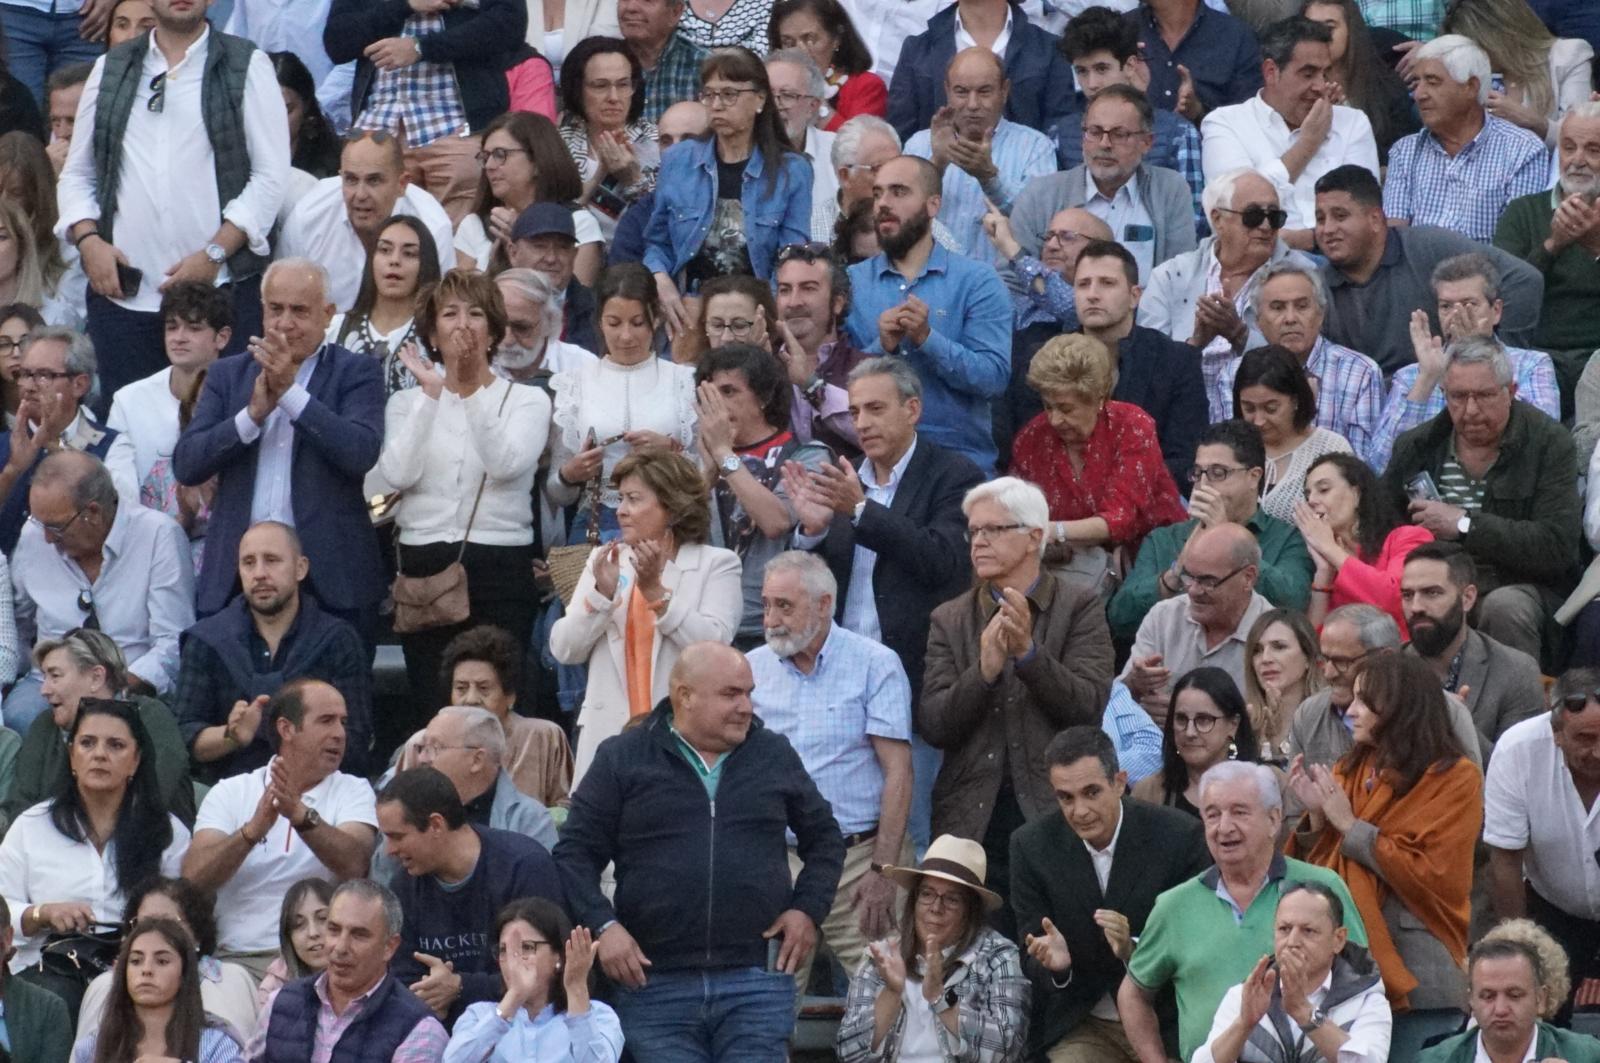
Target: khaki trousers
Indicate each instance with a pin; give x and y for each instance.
(842, 929)
(1094, 1041)
(448, 168)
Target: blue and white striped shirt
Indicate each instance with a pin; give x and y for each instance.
(1466, 192)
(1019, 154)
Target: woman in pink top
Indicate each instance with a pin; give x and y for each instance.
(1358, 546)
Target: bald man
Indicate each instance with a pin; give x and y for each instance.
(984, 159)
(960, 348)
(289, 429)
(1204, 626)
(705, 936)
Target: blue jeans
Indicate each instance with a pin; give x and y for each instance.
(24, 704)
(38, 44)
(925, 763)
(737, 1014)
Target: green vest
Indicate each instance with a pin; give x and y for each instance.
(222, 106)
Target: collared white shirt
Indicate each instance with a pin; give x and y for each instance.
(884, 26)
(274, 489)
(144, 596)
(1122, 210)
(319, 229)
(1253, 134)
(296, 26)
(1531, 804)
(965, 39)
(1530, 1056)
(861, 609)
(1366, 1017)
(1106, 1007)
(121, 459)
(168, 206)
(40, 865)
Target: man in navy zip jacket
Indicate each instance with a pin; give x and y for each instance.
(706, 929)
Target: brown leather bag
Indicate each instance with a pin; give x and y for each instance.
(422, 603)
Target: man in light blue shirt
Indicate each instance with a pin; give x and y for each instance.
(981, 157)
(947, 316)
(844, 703)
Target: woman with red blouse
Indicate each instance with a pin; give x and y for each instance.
(823, 30)
(1357, 545)
(1097, 461)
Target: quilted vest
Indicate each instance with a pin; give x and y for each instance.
(386, 1019)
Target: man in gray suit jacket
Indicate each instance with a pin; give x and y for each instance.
(1500, 685)
(1083, 881)
(1149, 208)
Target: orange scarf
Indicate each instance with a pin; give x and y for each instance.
(639, 649)
(1424, 848)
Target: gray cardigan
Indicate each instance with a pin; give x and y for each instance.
(1175, 287)
(1163, 193)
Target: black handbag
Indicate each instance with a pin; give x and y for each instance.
(81, 956)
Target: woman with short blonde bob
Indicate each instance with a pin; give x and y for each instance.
(1097, 460)
(643, 599)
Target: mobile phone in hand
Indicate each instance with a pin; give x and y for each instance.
(129, 279)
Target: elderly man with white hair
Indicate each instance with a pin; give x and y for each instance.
(844, 703)
(1207, 935)
(1465, 165)
(1010, 662)
(290, 429)
(1205, 297)
(798, 90)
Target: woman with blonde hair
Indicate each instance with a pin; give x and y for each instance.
(1098, 461)
(643, 599)
(1537, 75)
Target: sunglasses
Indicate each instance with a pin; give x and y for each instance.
(1252, 217)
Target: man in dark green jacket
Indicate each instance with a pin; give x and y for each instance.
(1503, 482)
(1509, 989)
(35, 1023)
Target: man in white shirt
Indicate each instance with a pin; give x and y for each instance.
(337, 223)
(177, 169)
(197, 322)
(1541, 823)
(296, 26)
(258, 834)
(88, 559)
(1290, 131)
(799, 90)
(1307, 994)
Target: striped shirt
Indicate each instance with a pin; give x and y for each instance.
(1134, 734)
(1466, 192)
(1533, 372)
(1056, 304)
(422, 98)
(1457, 486)
(1348, 386)
(424, 1044)
(1019, 154)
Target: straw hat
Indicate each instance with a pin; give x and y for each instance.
(958, 860)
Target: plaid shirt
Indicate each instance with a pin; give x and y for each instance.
(1467, 192)
(1056, 304)
(993, 996)
(675, 77)
(1136, 737)
(1533, 371)
(1417, 19)
(1348, 385)
(422, 98)
(424, 1044)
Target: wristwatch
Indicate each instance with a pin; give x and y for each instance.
(730, 465)
(311, 822)
(1318, 1017)
(1464, 525)
(216, 254)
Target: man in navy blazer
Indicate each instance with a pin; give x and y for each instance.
(1083, 881)
(1042, 89)
(898, 515)
(290, 429)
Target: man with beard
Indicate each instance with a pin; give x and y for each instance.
(799, 90)
(1558, 233)
(1502, 480)
(1149, 209)
(1500, 685)
(983, 159)
(947, 316)
(843, 701)
(812, 291)
(265, 637)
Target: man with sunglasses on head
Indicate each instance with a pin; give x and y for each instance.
(338, 221)
(1228, 465)
(1539, 797)
(88, 559)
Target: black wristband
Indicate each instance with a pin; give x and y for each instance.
(78, 242)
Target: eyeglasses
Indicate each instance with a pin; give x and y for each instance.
(1188, 580)
(622, 87)
(529, 949)
(1252, 217)
(723, 97)
(7, 344)
(498, 156)
(91, 619)
(1456, 306)
(808, 41)
(1202, 722)
(158, 93)
(58, 530)
(1577, 700)
(43, 376)
(806, 252)
(737, 327)
(377, 136)
(1093, 134)
(987, 532)
(944, 902)
(1343, 664)
(430, 750)
(789, 99)
(1214, 473)
(1062, 236)
(1482, 398)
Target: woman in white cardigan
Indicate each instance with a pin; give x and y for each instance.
(462, 448)
(642, 600)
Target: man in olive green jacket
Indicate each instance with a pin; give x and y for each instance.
(38, 1028)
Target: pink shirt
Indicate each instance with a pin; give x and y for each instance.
(424, 1044)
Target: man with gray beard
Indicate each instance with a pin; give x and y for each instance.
(844, 703)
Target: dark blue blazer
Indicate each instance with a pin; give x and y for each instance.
(336, 441)
(1042, 89)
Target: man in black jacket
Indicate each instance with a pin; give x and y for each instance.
(435, 69)
(892, 531)
(704, 931)
(1082, 884)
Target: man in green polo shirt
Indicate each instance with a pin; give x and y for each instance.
(1207, 934)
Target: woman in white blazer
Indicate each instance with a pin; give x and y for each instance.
(556, 26)
(642, 599)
